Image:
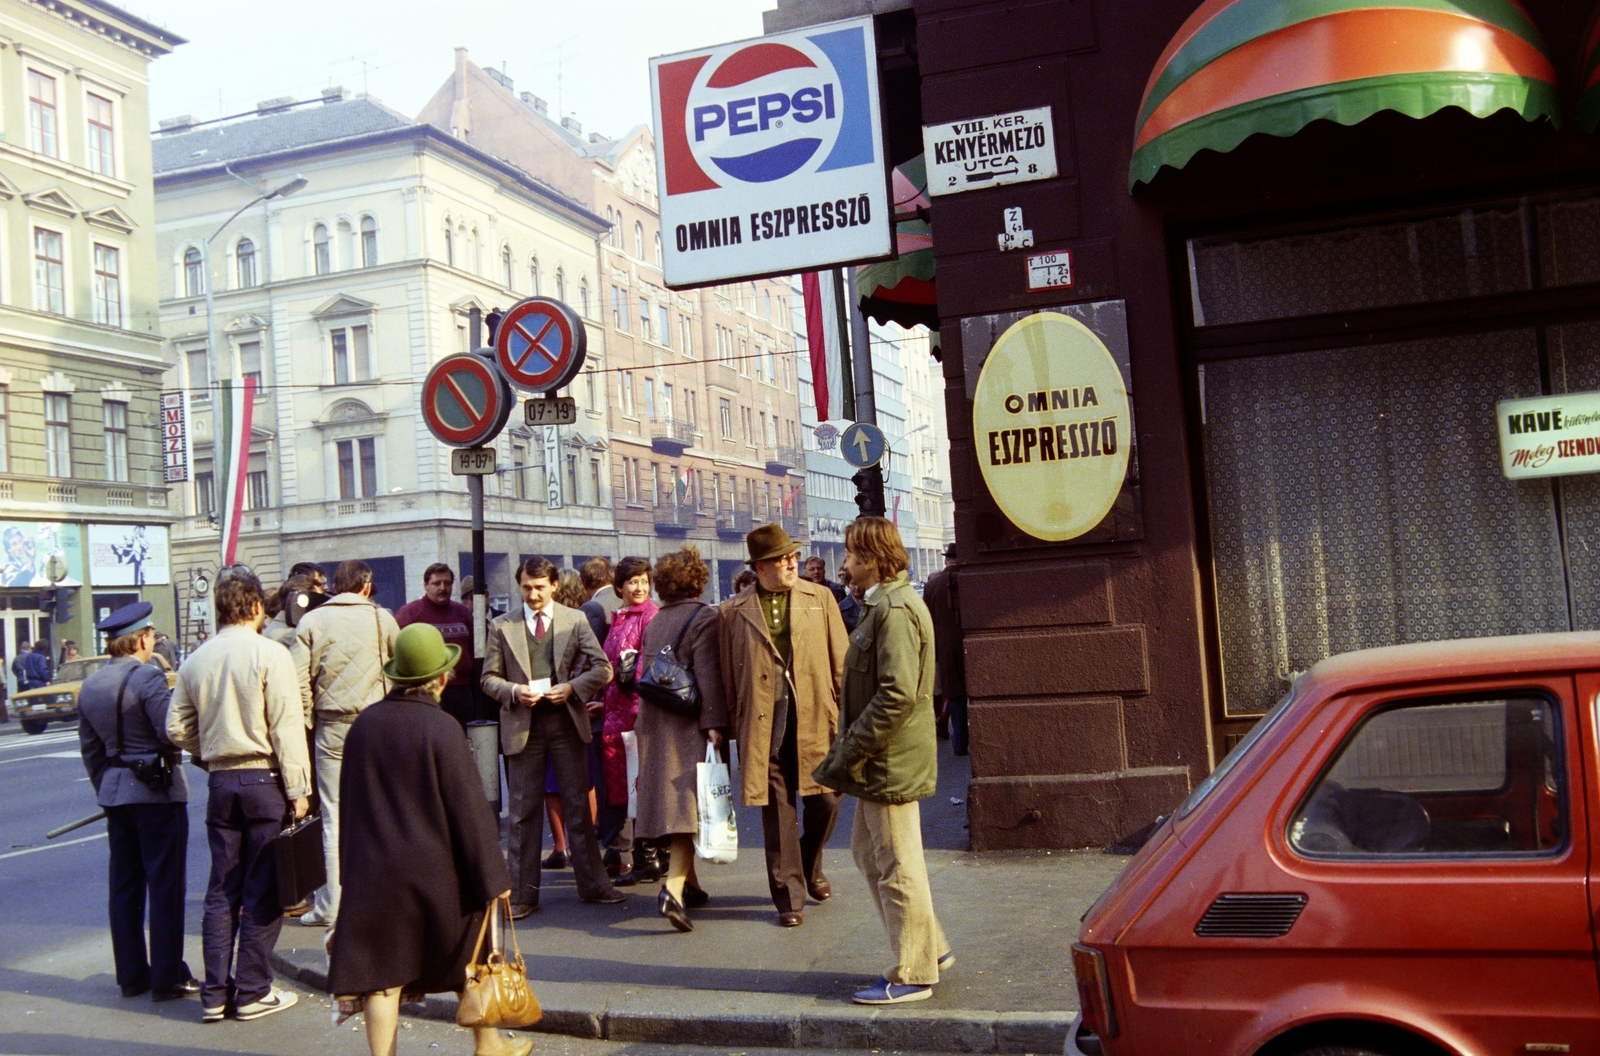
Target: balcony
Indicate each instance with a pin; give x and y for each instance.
(671, 437)
(780, 460)
(735, 524)
(675, 522)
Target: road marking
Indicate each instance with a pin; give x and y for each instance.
(51, 846)
(46, 755)
(58, 737)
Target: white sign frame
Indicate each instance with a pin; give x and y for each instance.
(1549, 436)
(177, 457)
(827, 211)
(128, 555)
(981, 152)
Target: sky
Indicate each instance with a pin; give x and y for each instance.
(590, 55)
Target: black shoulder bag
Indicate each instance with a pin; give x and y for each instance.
(668, 682)
(153, 770)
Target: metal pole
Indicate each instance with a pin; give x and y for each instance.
(870, 481)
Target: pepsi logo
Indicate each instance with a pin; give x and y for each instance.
(765, 111)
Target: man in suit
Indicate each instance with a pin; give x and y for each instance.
(543, 664)
(950, 673)
(147, 828)
(782, 646)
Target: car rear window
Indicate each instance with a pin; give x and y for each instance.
(1231, 760)
(1442, 777)
(78, 670)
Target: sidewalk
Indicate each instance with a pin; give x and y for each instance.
(622, 973)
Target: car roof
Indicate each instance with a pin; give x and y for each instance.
(1457, 657)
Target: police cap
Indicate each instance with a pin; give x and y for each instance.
(126, 620)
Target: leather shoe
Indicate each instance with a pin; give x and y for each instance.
(188, 988)
(672, 909)
(821, 890)
(609, 897)
(523, 909)
(695, 897)
(557, 860)
(134, 991)
(791, 920)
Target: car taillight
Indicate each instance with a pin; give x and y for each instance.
(1094, 990)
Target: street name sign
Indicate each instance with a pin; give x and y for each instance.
(540, 345)
(472, 461)
(556, 410)
(772, 157)
(862, 444)
(465, 401)
(993, 151)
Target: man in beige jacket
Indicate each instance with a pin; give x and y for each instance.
(339, 651)
(236, 709)
(782, 645)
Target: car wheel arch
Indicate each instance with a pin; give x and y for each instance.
(1380, 1038)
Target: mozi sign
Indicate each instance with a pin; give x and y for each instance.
(771, 155)
(1549, 436)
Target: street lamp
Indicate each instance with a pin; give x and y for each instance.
(296, 183)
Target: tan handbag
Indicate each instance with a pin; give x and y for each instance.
(496, 993)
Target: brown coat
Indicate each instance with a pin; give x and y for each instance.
(944, 607)
(751, 667)
(670, 745)
(579, 661)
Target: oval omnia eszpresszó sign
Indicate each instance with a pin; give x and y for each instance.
(1051, 423)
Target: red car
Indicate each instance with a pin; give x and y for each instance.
(1396, 860)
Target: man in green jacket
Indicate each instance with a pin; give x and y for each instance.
(886, 756)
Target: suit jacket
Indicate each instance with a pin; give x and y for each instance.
(144, 731)
(579, 661)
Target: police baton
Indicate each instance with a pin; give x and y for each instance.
(80, 823)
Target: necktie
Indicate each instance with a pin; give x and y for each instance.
(538, 625)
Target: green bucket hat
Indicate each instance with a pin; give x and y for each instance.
(768, 542)
(420, 655)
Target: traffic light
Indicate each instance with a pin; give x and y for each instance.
(64, 604)
(491, 323)
(47, 600)
(869, 491)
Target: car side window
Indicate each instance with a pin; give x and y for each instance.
(1442, 778)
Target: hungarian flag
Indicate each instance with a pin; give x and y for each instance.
(825, 333)
(233, 458)
(683, 483)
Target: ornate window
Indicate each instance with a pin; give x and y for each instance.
(244, 255)
(194, 272)
(321, 253)
(369, 242)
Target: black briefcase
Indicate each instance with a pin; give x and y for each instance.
(297, 854)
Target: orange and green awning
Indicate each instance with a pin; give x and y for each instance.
(1238, 67)
(1588, 106)
(903, 290)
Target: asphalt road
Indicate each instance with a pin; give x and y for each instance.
(58, 996)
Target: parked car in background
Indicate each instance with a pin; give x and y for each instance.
(1395, 860)
(35, 709)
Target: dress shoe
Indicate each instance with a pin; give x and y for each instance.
(694, 897)
(609, 897)
(523, 909)
(135, 991)
(672, 909)
(188, 988)
(821, 890)
(646, 865)
(791, 920)
(557, 860)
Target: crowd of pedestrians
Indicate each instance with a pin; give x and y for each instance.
(316, 698)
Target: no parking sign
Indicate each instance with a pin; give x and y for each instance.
(465, 401)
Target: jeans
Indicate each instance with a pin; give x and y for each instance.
(552, 736)
(329, 743)
(246, 810)
(148, 842)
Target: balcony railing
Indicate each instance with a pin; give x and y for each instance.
(735, 524)
(780, 460)
(795, 526)
(676, 521)
(671, 437)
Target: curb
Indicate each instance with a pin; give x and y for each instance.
(668, 1015)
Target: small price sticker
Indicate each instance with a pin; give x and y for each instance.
(552, 410)
(472, 461)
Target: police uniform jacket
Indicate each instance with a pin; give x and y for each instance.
(144, 731)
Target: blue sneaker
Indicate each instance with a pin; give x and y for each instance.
(883, 992)
(948, 961)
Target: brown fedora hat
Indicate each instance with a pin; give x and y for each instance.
(768, 542)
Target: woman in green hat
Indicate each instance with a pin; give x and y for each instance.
(419, 849)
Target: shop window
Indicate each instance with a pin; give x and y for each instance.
(114, 414)
(1459, 777)
(102, 135)
(244, 256)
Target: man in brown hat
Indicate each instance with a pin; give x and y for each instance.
(783, 644)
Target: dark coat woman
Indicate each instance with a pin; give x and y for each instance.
(419, 847)
(671, 745)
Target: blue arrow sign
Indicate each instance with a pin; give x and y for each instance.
(862, 444)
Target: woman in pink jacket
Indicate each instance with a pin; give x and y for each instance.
(632, 584)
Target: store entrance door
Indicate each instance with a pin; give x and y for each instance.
(16, 628)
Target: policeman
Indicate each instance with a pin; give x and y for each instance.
(138, 779)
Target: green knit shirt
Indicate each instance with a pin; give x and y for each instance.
(775, 610)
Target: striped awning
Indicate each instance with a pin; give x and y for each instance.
(1238, 67)
(1588, 106)
(903, 290)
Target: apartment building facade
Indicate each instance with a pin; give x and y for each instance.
(81, 478)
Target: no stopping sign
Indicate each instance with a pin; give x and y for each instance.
(465, 401)
(540, 344)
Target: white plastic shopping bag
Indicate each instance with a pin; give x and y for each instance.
(718, 839)
(630, 748)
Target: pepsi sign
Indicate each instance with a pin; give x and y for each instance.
(771, 155)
